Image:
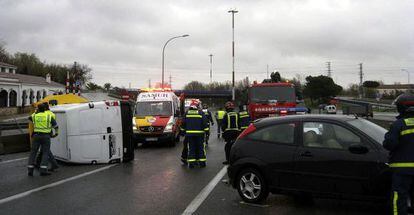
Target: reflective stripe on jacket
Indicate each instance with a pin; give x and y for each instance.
(244, 119)
(231, 122)
(194, 123)
(42, 122)
(399, 140)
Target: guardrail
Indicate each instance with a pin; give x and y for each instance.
(13, 125)
(14, 137)
(364, 103)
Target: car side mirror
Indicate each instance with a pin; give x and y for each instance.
(358, 149)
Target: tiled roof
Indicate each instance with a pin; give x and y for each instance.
(7, 65)
(27, 79)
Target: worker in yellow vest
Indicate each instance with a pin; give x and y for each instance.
(219, 118)
(51, 157)
(43, 123)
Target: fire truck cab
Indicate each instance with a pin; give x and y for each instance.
(157, 117)
(272, 99)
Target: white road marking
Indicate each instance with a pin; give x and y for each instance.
(192, 207)
(21, 195)
(14, 160)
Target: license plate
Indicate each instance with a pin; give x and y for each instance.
(151, 139)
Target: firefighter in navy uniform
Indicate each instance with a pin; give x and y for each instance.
(194, 125)
(209, 117)
(244, 118)
(399, 140)
(230, 127)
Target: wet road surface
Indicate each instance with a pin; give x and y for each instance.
(154, 183)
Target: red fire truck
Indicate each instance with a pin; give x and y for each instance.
(272, 99)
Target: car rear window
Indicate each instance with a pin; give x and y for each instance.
(373, 130)
(281, 133)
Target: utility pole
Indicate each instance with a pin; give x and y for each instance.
(328, 64)
(75, 71)
(211, 68)
(232, 25)
(267, 71)
(170, 80)
(361, 77)
(149, 83)
(408, 75)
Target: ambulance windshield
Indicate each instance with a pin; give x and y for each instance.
(162, 108)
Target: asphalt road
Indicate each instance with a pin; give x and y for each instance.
(154, 183)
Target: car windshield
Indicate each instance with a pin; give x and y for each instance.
(375, 131)
(153, 108)
(277, 93)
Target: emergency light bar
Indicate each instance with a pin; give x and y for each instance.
(156, 90)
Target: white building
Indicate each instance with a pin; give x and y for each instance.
(392, 89)
(23, 90)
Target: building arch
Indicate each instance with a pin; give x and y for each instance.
(38, 95)
(3, 98)
(24, 97)
(12, 98)
(31, 96)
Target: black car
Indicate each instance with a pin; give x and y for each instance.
(312, 155)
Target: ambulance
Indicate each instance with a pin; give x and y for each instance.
(157, 117)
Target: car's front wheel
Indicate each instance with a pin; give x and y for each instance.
(251, 186)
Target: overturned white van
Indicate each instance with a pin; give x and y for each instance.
(95, 132)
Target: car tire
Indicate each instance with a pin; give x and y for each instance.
(252, 186)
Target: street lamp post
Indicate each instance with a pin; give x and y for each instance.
(232, 25)
(163, 56)
(211, 68)
(408, 75)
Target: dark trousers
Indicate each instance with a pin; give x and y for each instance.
(184, 152)
(229, 137)
(401, 186)
(196, 151)
(51, 159)
(43, 141)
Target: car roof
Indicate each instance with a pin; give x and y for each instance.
(292, 118)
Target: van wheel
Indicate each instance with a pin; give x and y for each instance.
(251, 186)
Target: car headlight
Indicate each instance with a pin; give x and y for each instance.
(169, 127)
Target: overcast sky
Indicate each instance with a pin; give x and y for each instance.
(122, 40)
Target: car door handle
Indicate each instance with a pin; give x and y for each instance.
(306, 154)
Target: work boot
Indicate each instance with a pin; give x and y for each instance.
(202, 164)
(225, 162)
(30, 171)
(191, 165)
